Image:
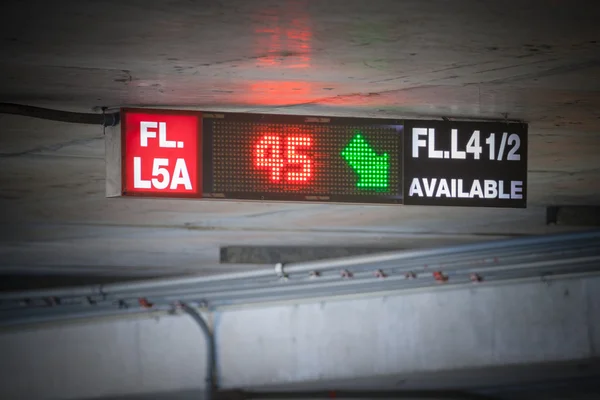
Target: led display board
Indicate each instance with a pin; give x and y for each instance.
(278, 157)
(262, 157)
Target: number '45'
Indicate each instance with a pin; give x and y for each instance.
(275, 154)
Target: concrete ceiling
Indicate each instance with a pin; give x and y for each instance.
(536, 60)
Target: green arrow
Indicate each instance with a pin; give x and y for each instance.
(373, 170)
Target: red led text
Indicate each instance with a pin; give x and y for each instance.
(284, 158)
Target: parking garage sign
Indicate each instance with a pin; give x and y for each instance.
(160, 153)
(477, 164)
(169, 153)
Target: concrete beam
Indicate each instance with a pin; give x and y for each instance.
(272, 254)
(289, 254)
(573, 215)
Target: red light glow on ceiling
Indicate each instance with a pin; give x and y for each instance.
(283, 37)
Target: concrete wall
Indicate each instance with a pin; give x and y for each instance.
(102, 359)
(446, 329)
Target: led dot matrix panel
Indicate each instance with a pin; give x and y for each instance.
(279, 157)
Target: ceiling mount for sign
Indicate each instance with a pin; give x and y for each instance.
(169, 153)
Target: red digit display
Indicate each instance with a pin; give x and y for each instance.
(267, 154)
(270, 154)
(277, 157)
(294, 145)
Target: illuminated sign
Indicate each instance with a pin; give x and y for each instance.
(302, 158)
(482, 164)
(160, 153)
(298, 158)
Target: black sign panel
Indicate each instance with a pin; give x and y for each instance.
(300, 158)
(475, 164)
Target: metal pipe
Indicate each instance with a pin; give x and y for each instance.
(209, 291)
(95, 290)
(150, 284)
(446, 251)
(342, 293)
(355, 284)
(111, 119)
(458, 265)
(353, 295)
(78, 291)
(41, 316)
(29, 318)
(267, 276)
(549, 242)
(347, 262)
(211, 384)
(329, 287)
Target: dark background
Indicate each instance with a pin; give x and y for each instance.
(230, 168)
(468, 169)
